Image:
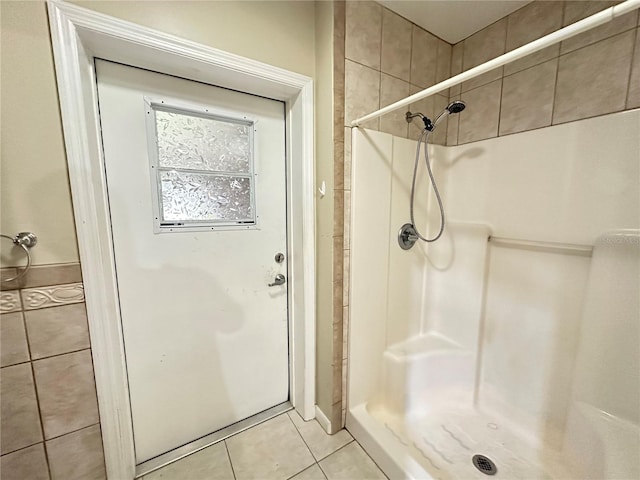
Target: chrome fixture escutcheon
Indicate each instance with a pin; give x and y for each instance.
(407, 236)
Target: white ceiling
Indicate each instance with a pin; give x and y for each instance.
(453, 20)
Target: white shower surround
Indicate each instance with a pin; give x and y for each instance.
(468, 333)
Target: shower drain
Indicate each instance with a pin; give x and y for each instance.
(484, 464)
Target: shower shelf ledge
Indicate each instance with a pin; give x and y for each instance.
(426, 343)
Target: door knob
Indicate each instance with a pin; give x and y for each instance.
(279, 280)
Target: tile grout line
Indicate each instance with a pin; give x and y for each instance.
(61, 354)
(370, 458)
(73, 431)
(35, 389)
(304, 470)
(226, 447)
(303, 440)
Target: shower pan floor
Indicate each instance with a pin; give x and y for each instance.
(445, 441)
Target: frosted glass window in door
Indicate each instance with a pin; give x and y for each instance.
(189, 196)
(203, 168)
(198, 143)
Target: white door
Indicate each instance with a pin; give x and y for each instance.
(197, 196)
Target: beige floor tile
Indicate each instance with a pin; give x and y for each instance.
(271, 450)
(27, 464)
(212, 463)
(350, 463)
(319, 442)
(311, 473)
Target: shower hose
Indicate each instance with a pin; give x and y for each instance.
(424, 137)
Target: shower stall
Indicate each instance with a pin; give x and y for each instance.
(509, 346)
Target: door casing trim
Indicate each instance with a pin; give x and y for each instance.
(79, 35)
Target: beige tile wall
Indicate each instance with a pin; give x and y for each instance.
(594, 73)
(380, 58)
(49, 420)
(386, 58)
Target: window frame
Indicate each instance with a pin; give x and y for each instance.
(171, 105)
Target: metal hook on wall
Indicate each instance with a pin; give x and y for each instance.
(25, 240)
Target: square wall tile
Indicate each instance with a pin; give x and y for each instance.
(26, 464)
(529, 23)
(5, 274)
(77, 456)
(443, 67)
(362, 93)
(593, 80)
(482, 46)
(273, 449)
(527, 98)
(345, 285)
(396, 45)
(43, 275)
(19, 418)
(347, 159)
(345, 334)
(57, 330)
(67, 392)
(452, 130)
(392, 90)
(633, 100)
(456, 65)
(480, 119)
(13, 339)
(577, 10)
(439, 135)
(363, 33)
(424, 57)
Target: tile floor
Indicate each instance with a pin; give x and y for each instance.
(285, 447)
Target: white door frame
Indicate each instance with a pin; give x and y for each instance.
(78, 35)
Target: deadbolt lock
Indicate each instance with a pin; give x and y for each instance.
(279, 258)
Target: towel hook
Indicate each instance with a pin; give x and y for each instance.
(25, 240)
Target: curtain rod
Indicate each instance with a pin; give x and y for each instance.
(583, 25)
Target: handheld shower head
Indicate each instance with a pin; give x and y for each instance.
(456, 107)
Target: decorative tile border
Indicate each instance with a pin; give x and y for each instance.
(10, 301)
(56, 295)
